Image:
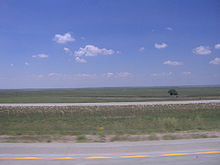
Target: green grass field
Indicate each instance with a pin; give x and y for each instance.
(109, 120)
(106, 95)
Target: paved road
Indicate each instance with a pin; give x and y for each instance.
(115, 103)
(183, 152)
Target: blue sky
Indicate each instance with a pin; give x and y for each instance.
(109, 43)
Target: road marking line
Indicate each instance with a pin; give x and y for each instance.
(135, 156)
(209, 152)
(98, 157)
(27, 158)
(177, 154)
(195, 153)
(64, 158)
(128, 156)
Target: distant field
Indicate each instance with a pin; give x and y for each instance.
(109, 120)
(106, 95)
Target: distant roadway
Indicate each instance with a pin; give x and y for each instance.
(113, 103)
(172, 152)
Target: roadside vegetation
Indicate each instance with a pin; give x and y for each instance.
(109, 120)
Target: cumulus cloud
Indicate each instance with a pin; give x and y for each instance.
(62, 39)
(80, 60)
(40, 56)
(64, 76)
(169, 28)
(123, 74)
(160, 45)
(187, 73)
(173, 63)
(66, 50)
(217, 46)
(85, 76)
(141, 49)
(202, 50)
(91, 50)
(54, 74)
(216, 61)
(163, 74)
(108, 75)
(117, 75)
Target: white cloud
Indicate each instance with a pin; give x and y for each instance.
(216, 61)
(26, 63)
(80, 60)
(141, 49)
(62, 39)
(54, 74)
(66, 50)
(169, 28)
(123, 74)
(202, 50)
(91, 50)
(217, 46)
(11, 65)
(108, 75)
(187, 73)
(117, 75)
(160, 45)
(85, 76)
(64, 76)
(40, 56)
(174, 63)
(163, 74)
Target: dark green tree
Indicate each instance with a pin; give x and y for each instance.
(173, 92)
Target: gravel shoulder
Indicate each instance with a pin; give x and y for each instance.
(113, 103)
(107, 138)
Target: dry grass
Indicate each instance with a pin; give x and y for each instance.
(106, 95)
(109, 120)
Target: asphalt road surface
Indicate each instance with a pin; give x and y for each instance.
(172, 152)
(114, 103)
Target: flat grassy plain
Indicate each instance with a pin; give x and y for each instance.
(109, 120)
(106, 95)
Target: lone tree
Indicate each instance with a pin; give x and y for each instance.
(173, 92)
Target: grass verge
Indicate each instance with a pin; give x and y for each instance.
(108, 120)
